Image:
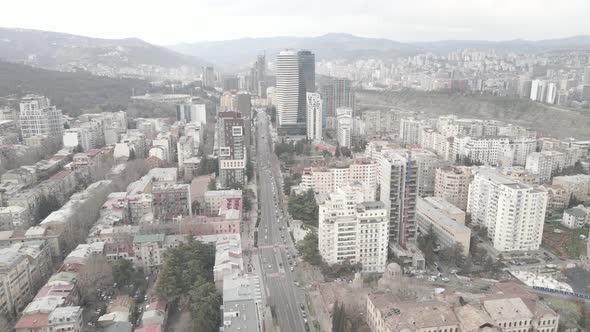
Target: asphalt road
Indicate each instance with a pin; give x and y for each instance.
(274, 243)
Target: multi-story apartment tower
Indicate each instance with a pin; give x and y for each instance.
(512, 212)
(352, 229)
(38, 117)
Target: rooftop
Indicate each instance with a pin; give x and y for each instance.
(507, 309)
(145, 238)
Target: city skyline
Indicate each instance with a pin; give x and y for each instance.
(416, 22)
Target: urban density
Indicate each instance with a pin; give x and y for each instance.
(334, 183)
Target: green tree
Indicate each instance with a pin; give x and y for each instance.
(427, 244)
(182, 266)
(339, 318)
(123, 272)
(47, 205)
(205, 303)
(308, 248)
(453, 255)
(212, 184)
(326, 154)
(304, 207)
(207, 166)
(249, 170)
(247, 200)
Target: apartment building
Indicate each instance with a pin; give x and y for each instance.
(545, 163)
(410, 129)
(352, 229)
(398, 191)
(232, 150)
(452, 184)
(446, 220)
(39, 118)
(344, 126)
(512, 212)
(171, 200)
(427, 163)
(577, 186)
(328, 178)
(215, 198)
(484, 150)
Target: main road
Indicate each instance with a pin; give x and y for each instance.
(276, 251)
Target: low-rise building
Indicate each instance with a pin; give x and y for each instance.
(171, 201)
(14, 217)
(446, 220)
(576, 217)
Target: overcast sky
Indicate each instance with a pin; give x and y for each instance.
(173, 21)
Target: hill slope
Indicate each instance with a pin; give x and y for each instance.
(72, 92)
(548, 121)
(56, 50)
(239, 53)
(518, 45)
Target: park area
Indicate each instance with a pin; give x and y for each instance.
(564, 242)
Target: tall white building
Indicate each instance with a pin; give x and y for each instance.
(38, 117)
(287, 87)
(351, 229)
(512, 212)
(325, 180)
(452, 184)
(485, 150)
(410, 131)
(191, 111)
(314, 117)
(398, 178)
(344, 126)
(544, 163)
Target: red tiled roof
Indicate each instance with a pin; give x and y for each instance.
(33, 321)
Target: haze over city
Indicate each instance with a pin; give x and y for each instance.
(192, 21)
(325, 166)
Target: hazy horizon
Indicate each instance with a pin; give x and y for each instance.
(183, 21)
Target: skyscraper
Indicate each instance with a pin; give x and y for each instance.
(314, 117)
(338, 93)
(306, 81)
(232, 152)
(258, 77)
(208, 77)
(287, 88)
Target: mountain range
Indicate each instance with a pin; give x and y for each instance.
(67, 52)
(64, 51)
(239, 53)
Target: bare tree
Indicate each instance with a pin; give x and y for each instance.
(96, 274)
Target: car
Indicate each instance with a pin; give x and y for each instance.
(445, 279)
(270, 266)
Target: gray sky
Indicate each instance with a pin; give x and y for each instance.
(173, 21)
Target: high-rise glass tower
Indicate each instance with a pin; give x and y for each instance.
(287, 88)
